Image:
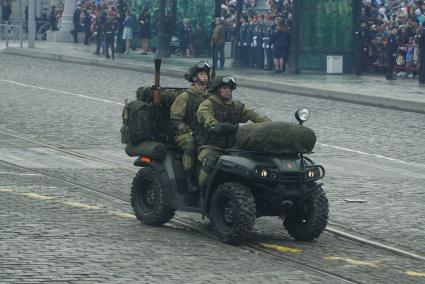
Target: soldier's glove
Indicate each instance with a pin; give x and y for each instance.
(223, 128)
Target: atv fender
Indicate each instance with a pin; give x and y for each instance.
(239, 168)
(163, 169)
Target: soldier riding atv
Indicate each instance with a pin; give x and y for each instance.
(243, 184)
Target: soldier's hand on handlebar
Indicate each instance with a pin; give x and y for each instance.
(223, 128)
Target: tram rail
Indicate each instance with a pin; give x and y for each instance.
(329, 229)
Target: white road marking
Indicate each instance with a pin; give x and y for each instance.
(121, 104)
(61, 92)
(371, 155)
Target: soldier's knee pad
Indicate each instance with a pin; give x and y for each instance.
(190, 147)
(209, 164)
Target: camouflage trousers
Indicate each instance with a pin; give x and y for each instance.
(186, 143)
(208, 156)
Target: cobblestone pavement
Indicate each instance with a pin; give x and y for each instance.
(52, 233)
(349, 136)
(405, 93)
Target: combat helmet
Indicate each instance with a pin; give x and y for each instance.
(223, 80)
(196, 68)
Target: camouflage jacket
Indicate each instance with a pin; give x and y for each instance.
(214, 110)
(183, 110)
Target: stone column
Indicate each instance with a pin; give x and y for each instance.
(66, 25)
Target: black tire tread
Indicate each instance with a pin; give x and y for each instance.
(247, 209)
(162, 213)
(318, 222)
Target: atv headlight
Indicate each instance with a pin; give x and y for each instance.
(302, 115)
(266, 172)
(314, 173)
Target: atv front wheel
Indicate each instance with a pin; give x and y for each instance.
(308, 222)
(232, 212)
(147, 199)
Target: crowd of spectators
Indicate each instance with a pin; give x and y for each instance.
(379, 18)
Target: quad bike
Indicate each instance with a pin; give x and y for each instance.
(243, 186)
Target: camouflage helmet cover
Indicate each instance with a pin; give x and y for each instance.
(195, 69)
(223, 80)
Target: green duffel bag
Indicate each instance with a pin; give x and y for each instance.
(276, 138)
(153, 150)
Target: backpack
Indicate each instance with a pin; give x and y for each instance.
(139, 119)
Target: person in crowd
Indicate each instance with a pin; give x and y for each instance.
(421, 45)
(145, 29)
(244, 40)
(183, 117)
(6, 11)
(109, 31)
(267, 43)
(86, 24)
(199, 40)
(218, 116)
(217, 40)
(53, 21)
(185, 38)
(280, 42)
(391, 53)
(127, 34)
(76, 21)
(362, 40)
(98, 29)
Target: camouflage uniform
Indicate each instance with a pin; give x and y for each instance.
(183, 117)
(210, 112)
(184, 120)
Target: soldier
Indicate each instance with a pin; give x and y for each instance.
(362, 38)
(421, 44)
(218, 116)
(391, 53)
(259, 33)
(267, 43)
(183, 117)
(244, 42)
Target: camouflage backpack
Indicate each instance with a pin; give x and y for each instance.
(138, 117)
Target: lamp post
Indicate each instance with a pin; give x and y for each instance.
(66, 25)
(162, 48)
(294, 49)
(31, 24)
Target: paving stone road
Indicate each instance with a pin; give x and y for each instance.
(63, 112)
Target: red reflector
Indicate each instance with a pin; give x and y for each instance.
(145, 159)
(290, 165)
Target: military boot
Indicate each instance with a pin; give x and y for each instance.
(191, 181)
(201, 200)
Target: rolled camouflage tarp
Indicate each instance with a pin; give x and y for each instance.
(152, 150)
(276, 138)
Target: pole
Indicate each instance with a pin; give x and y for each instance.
(294, 49)
(162, 48)
(237, 61)
(31, 24)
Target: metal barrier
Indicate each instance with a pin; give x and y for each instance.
(12, 33)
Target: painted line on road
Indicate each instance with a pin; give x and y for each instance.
(36, 196)
(371, 155)
(352, 262)
(121, 104)
(61, 92)
(416, 274)
(280, 248)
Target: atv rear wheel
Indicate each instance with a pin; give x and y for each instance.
(232, 212)
(147, 199)
(308, 222)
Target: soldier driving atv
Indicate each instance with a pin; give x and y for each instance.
(218, 117)
(183, 117)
